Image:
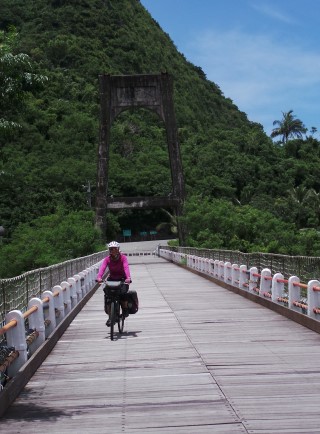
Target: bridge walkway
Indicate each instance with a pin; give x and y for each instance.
(196, 358)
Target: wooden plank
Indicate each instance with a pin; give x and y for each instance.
(195, 358)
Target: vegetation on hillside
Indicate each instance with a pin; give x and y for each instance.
(244, 191)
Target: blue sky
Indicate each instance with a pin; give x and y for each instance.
(263, 54)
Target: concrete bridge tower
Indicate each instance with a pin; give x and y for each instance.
(153, 92)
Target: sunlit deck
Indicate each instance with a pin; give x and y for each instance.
(196, 358)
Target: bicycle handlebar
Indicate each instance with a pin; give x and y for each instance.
(114, 281)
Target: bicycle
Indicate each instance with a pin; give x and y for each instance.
(113, 291)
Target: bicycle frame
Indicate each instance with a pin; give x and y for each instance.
(112, 292)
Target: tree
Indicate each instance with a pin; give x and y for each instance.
(16, 78)
(46, 242)
(288, 127)
(313, 131)
(300, 197)
(315, 204)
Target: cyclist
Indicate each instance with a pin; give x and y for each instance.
(118, 266)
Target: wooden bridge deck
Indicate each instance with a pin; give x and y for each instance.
(196, 358)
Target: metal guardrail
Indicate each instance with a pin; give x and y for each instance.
(291, 297)
(16, 292)
(30, 336)
(306, 267)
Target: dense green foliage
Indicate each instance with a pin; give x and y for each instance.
(219, 224)
(16, 79)
(244, 191)
(43, 241)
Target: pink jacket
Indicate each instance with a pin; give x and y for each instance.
(118, 269)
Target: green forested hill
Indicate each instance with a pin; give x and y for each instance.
(231, 167)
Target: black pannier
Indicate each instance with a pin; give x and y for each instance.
(133, 302)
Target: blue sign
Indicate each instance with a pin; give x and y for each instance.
(126, 232)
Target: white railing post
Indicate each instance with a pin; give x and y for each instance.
(211, 267)
(235, 275)
(93, 276)
(77, 278)
(313, 298)
(90, 277)
(216, 268)
(243, 277)
(49, 312)
(277, 287)
(73, 291)
(193, 262)
(189, 261)
(294, 292)
(36, 322)
(58, 303)
(227, 272)
(221, 270)
(16, 337)
(200, 263)
(253, 279)
(207, 266)
(197, 263)
(82, 283)
(265, 282)
(184, 259)
(66, 296)
(203, 265)
(86, 280)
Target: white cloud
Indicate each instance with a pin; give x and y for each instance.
(273, 12)
(260, 74)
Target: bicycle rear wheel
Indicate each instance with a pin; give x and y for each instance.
(120, 318)
(112, 319)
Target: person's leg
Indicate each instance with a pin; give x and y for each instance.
(107, 309)
(124, 301)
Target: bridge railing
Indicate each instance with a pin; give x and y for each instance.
(288, 291)
(307, 267)
(24, 332)
(16, 292)
(42, 300)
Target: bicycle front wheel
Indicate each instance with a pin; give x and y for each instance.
(120, 318)
(112, 319)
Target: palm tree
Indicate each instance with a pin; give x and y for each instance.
(288, 127)
(313, 130)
